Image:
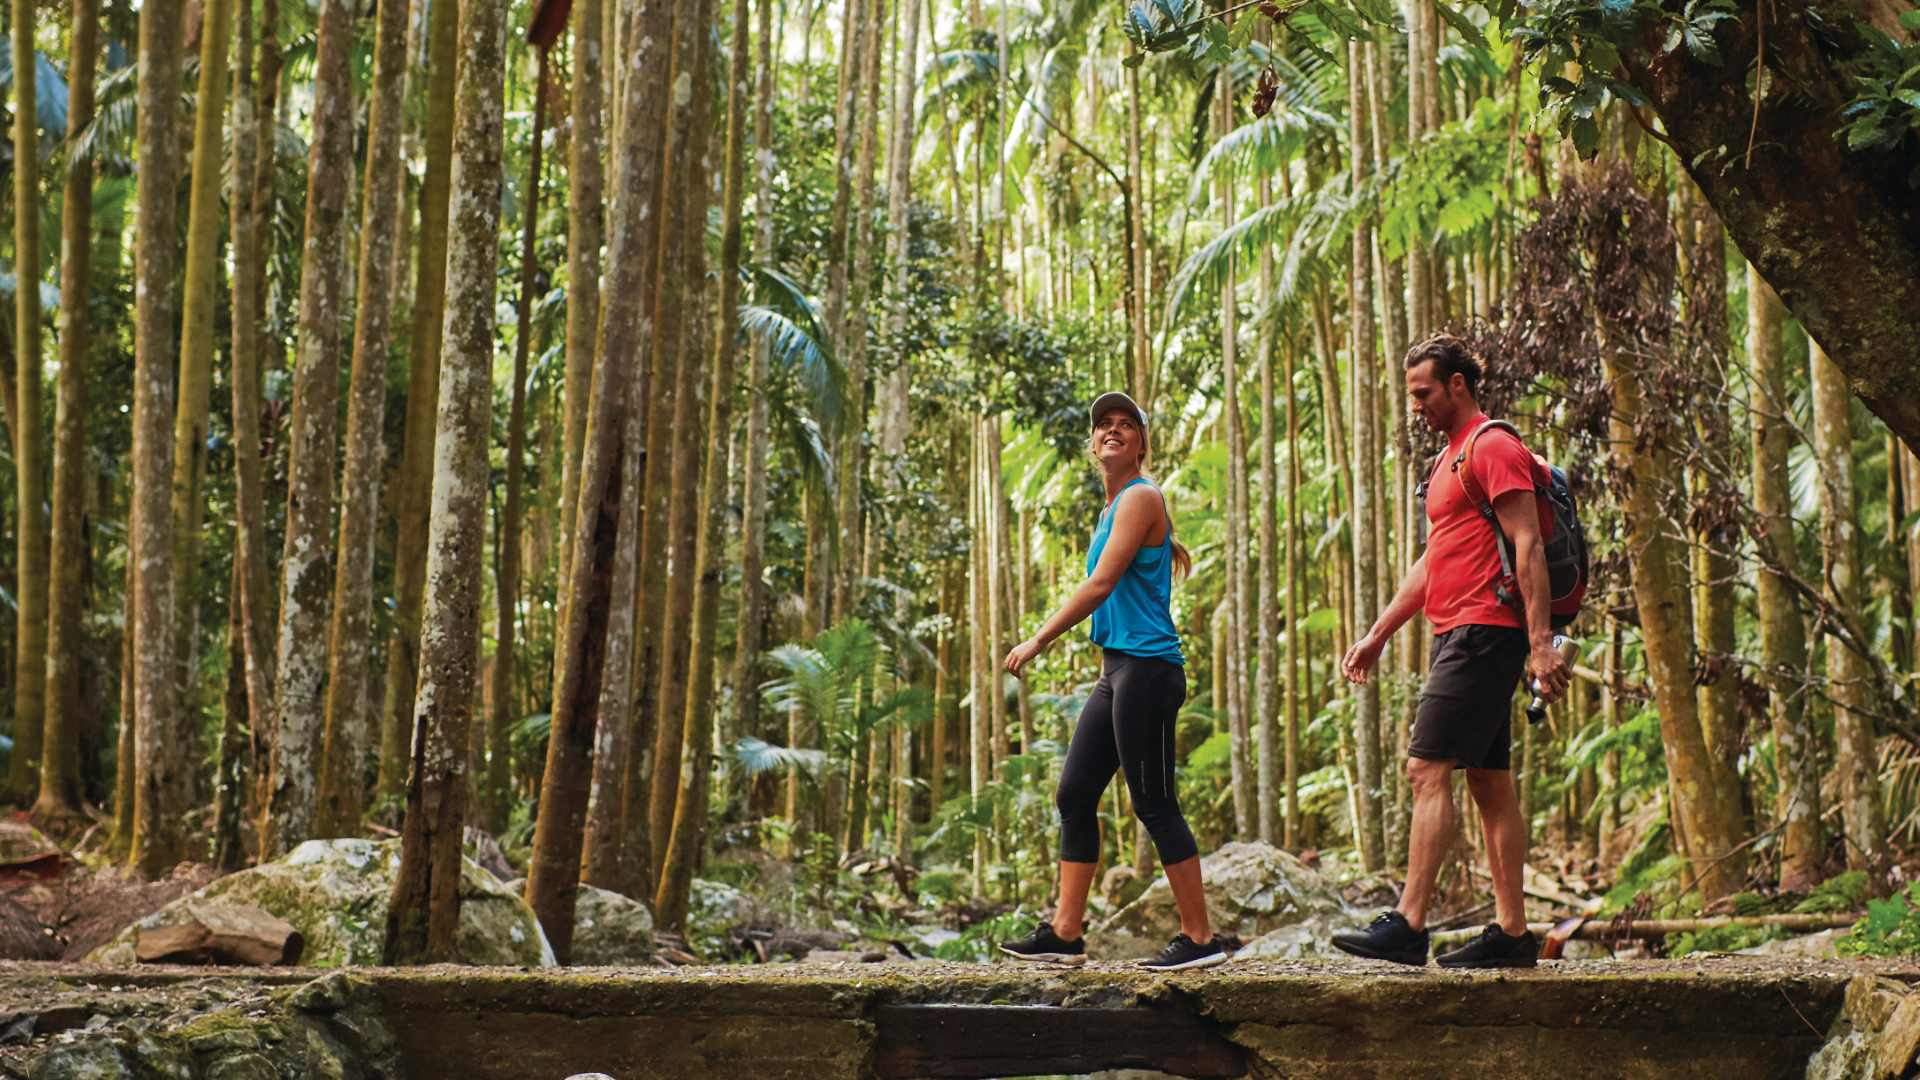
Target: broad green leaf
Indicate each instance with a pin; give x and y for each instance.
(1461, 24)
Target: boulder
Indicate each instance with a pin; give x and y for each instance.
(714, 911)
(1269, 899)
(335, 893)
(609, 929)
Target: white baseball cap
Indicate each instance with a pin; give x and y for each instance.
(1111, 400)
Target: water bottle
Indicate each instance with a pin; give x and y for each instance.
(1537, 708)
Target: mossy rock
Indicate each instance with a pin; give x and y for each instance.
(335, 892)
(609, 930)
(1276, 904)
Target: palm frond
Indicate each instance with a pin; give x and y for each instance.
(756, 756)
(1208, 267)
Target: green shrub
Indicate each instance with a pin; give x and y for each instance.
(1891, 927)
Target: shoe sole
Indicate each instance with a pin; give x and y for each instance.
(1409, 959)
(1210, 960)
(1059, 959)
(1459, 964)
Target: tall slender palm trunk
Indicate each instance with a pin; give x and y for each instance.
(344, 739)
(424, 913)
(198, 299)
(306, 578)
(413, 500)
(59, 796)
(29, 452)
(161, 775)
(1848, 686)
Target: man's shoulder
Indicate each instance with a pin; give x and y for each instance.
(1500, 436)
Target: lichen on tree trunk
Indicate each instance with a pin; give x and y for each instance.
(306, 578)
(344, 741)
(425, 911)
(586, 706)
(413, 500)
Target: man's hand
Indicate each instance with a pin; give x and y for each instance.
(1548, 671)
(1357, 665)
(1018, 656)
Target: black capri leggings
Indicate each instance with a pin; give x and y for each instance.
(1127, 724)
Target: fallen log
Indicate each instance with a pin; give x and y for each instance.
(221, 934)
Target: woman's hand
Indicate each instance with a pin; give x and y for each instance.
(1019, 655)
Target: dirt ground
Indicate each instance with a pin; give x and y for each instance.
(53, 906)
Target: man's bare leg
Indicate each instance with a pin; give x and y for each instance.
(1506, 833)
(1070, 914)
(1434, 823)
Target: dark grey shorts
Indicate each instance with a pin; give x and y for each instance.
(1466, 707)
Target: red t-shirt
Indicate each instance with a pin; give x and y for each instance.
(1463, 565)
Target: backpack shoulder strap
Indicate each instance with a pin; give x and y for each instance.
(1462, 466)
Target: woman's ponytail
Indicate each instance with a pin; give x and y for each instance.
(1182, 562)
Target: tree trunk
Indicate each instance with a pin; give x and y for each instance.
(1783, 643)
(687, 287)
(852, 340)
(1136, 290)
(228, 849)
(594, 97)
(198, 292)
(425, 910)
(690, 812)
(1369, 833)
(413, 500)
(162, 740)
(1244, 804)
(60, 796)
(1296, 674)
(292, 803)
(588, 664)
(249, 207)
(344, 740)
(29, 451)
(1784, 209)
(753, 471)
(1270, 679)
(1705, 805)
(604, 856)
(981, 664)
(1703, 269)
(1847, 676)
(499, 794)
(846, 141)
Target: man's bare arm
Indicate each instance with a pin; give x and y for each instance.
(1520, 521)
(1408, 600)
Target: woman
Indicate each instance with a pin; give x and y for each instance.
(1128, 722)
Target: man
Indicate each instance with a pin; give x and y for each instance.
(1480, 647)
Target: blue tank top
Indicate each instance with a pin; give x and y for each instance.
(1136, 618)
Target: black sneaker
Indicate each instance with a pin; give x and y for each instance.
(1387, 937)
(1044, 946)
(1182, 954)
(1494, 948)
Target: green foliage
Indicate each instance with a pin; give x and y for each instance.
(976, 943)
(1453, 186)
(1886, 114)
(1723, 939)
(1891, 927)
(1653, 870)
(1841, 892)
